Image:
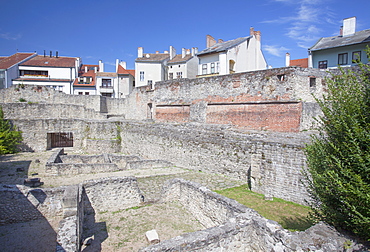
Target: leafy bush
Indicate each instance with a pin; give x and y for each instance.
(9, 137)
(339, 156)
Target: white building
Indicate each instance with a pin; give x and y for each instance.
(151, 67)
(184, 65)
(9, 67)
(85, 82)
(233, 56)
(126, 79)
(52, 71)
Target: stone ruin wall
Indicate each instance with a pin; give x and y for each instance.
(19, 203)
(280, 99)
(270, 162)
(234, 227)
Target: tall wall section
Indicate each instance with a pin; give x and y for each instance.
(280, 99)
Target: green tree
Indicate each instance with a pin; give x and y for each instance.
(9, 136)
(339, 156)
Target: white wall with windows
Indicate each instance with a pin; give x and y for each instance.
(340, 56)
(149, 72)
(84, 90)
(107, 85)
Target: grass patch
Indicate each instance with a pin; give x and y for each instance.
(289, 215)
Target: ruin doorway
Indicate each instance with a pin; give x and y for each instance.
(60, 139)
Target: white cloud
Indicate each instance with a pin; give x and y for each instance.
(275, 50)
(304, 20)
(9, 36)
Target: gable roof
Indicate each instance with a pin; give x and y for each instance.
(122, 70)
(179, 59)
(50, 61)
(153, 57)
(338, 41)
(6, 62)
(223, 46)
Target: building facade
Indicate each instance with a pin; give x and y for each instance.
(51, 71)
(9, 67)
(233, 56)
(343, 50)
(151, 67)
(184, 65)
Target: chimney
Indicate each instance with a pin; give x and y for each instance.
(165, 52)
(210, 41)
(183, 53)
(56, 54)
(95, 69)
(341, 31)
(117, 64)
(194, 51)
(220, 41)
(156, 52)
(140, 52)
(85, 69)
(172, 52)
(287, 59)
(101, 66)
(51, 54)
(251, 31)
(44, 53)
(123, 64)
(257, 34)
(349, 26)
(187, 51)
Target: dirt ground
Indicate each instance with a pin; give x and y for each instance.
(122, 230)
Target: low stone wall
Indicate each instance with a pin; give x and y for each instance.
(60, 164)
(70, 228)
(209, 208)
(19, 203)
(80, 201)
(24, 110)
(242, 229)
(148, 164)
(113, 194)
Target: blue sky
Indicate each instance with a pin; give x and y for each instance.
(108, 30)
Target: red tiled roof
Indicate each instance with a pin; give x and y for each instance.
(6, 62)
(299, 62)
(122, 70)
(47, 61)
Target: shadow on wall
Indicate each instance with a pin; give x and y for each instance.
(22, 226)
(91, 228)
(12, 172)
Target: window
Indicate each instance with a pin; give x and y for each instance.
(204, 69)
(87, 93)
(106, 82)
(141, 75)
(343, 59)
(356, 57)
(179, 75)
(150, 82)
(312, 82)
(323, 64)
(106, 94)
(34, 73)
(212, 67)
(171, 76)
(217, 67)
(80, 93)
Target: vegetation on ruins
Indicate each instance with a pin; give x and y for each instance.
(9, 136)
(289, 215)
(338, 176)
